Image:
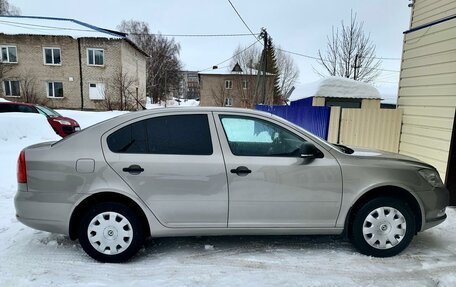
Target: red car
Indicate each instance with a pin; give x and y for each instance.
(63, 126)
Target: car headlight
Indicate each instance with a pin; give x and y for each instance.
(63, 122)
(432, 177)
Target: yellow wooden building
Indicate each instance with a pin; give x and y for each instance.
(427, 87)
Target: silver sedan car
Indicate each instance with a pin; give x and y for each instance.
(220, 171)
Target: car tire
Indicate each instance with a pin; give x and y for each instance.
(111, 232)
(383, 227)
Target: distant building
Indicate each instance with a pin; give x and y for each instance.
(427, 87)
(189, 87)
(65, 63)
(234, 88)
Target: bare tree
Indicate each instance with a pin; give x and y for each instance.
(219, 94)
(246, 58)
(288, 72)
(28, 88)
(122, 93)
(7, 9)
(163, 65)
(350, 53)
(250, 59)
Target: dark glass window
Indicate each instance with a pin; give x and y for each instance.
(12, 88)
(129, 139)
(55, 90)
(52, 56)
(95, 57)
(180, 134)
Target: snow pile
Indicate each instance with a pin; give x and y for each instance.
(86, 119)
(172, 103)
(21, 126)
(3, 100)
(17, 131)
(335, 87)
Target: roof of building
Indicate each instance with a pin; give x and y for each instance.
(51, 26)
(251, 72)
(427, 25)
(236, 70)
(335, 87)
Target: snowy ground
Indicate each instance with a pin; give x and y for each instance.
(34, 258)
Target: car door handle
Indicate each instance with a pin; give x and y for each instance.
(133, 169)
(241, 170)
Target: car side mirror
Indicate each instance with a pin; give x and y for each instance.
(309, 151)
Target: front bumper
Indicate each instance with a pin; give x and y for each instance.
(434, 203)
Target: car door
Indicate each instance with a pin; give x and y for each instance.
(270, 183)
(174, 163)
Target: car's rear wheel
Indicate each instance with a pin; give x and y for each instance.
(383, 227)
(111, 232)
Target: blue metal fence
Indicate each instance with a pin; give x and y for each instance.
(313, 119)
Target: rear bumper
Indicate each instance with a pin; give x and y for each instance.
(43, 211)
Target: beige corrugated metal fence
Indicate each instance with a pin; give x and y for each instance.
(370, 128)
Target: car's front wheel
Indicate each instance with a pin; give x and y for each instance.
(111, 232)
(383, 227)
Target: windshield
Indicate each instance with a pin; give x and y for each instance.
(48, 112)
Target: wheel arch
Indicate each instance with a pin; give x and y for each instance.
(100, 197)
(386, 191)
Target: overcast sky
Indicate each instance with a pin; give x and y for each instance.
(297, 25)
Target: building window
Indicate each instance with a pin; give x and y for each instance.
(52, 56)
(12, 88)
(55, 90)
(9, 54)
(228, 102)
(245, 84)
(228, 84)
(96, 91)
(95, 57)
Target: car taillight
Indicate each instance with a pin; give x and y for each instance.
(21, 168)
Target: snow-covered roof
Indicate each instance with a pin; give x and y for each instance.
(249, 72)
(34, 25)
(335, 87)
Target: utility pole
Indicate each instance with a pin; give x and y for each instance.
(264, 34)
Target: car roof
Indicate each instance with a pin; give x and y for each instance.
(17, 103)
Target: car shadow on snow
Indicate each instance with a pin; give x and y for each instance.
(424, 244)
(243, 244)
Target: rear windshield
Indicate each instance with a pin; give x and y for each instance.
(15, 108)
(48, 112)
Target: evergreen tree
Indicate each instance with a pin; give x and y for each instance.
(272, 68)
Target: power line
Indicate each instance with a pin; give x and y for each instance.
(47, 27)
(235, 55)
(196, 35)
(245, 24)
(318, 59)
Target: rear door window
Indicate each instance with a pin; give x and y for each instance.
(177, 134)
